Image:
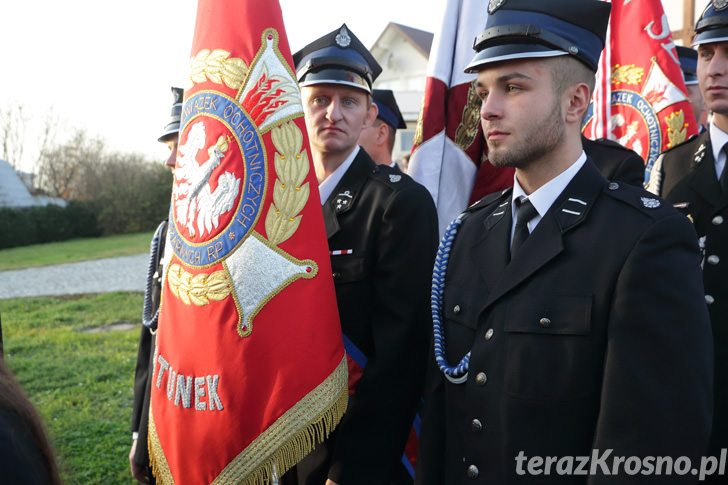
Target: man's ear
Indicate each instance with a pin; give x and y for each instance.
(371, 115)
(382, 133)
(576, 101)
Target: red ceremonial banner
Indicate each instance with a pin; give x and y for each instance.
(449, 156)
(640, 99)
(249, 369)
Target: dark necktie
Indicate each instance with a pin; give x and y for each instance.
(723, 179)
(525, 212)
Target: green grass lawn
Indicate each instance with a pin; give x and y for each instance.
(74, 250)
(80, 381)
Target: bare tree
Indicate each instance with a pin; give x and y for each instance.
(47, 140)
(12, 133)
(69, 170)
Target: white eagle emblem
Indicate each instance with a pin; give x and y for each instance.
(192, 192)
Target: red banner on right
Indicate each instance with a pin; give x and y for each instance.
(640, 97)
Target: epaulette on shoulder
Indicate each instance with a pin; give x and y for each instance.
(638, 198)
(613, 144)
(489, 199)
(391, 177)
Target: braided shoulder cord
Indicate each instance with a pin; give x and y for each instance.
(459, 373)
(148, 320)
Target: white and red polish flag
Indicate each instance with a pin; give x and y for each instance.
(449, 155)
(249, 368)
(640, 98)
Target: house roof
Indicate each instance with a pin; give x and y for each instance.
(13, 192)
(420, 39)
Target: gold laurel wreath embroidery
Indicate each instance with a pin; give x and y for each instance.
(676, 128)
(290, 194)
(468, 127)
(419, 130)
(198, 289)
(218, 67)
(627, 74)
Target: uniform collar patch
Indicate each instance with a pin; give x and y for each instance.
(342, 201)
(700, 153)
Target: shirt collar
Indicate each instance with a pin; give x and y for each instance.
(718, 139)
(544, 196)
(329, 184)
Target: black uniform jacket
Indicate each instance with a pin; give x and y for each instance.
(595, 336)
(145, 365)
(690, 183)
(389, 223)
(616, 162)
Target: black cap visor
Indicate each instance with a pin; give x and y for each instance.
(333, 75)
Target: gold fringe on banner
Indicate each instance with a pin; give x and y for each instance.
(286, 442)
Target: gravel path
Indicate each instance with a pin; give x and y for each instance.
(127, 273)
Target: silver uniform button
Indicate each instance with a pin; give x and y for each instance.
(489, 334)
(717, 220)
(456, 309)
(713, 259)
(545, 322)
(481, 379)
(477, 426)
(709, 299)
(613, 186)
(473, 472)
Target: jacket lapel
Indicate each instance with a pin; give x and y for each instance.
(703, 180)
(568, 211)
(492, 245)
(344, 196)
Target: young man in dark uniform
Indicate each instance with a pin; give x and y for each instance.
(378, 138)
(382, 233)
(692, 177)
(139, 454)
(571, 321)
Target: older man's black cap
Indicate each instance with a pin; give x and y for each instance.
(338, 57)
(522, 29)
(172, 126)
(712, 26)
(388, 109)
(688, 64)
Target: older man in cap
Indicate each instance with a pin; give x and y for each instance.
(378, 138)
(139, 454)
(571, 336)
(693, 177)
(382, 233)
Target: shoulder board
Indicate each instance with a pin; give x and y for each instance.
(390, 176)
(489, 199)
(684, 144)
(638, 198)
(613, 144)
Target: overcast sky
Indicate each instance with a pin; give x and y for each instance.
(108, 66)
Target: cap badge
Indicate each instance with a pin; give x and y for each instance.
(650, 203)
(342, 38)
(394, 178)
(494, 5)
(720, 5)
